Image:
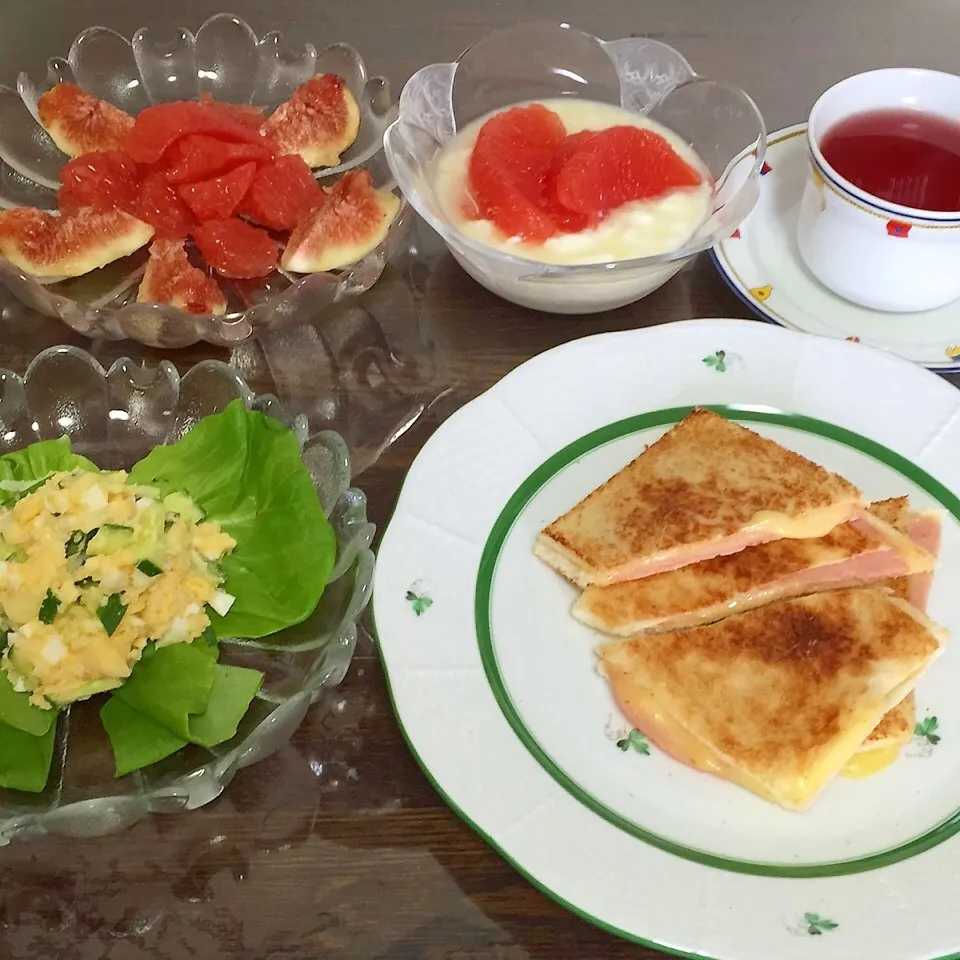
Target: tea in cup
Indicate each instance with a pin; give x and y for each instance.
(880, 215)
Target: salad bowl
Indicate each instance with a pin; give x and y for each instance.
(115, 417)
(227, 60)
(546, 61)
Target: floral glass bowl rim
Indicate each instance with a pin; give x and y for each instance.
(148, 69)
(298, 671)
(437, 80)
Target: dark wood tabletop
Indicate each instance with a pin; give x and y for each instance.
(337, 847)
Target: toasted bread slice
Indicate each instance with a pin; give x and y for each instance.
(777, 699)
(862, 551)
(706, 488)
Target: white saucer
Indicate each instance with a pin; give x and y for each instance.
(762, 264)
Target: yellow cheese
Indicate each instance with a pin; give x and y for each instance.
(869, 762)
(812, 524)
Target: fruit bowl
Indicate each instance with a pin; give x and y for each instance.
(115, 417)
(541, 61)
(224, 59)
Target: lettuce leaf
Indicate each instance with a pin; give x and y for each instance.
(18, 712)
(176, 695)
(136, 739)
(244, 470)
(26, 469)
(25, 759)
(26, 739)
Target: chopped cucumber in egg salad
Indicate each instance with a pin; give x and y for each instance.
(125, 582)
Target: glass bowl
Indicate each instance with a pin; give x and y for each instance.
(537, 61)
(115, 417)
(227, 59)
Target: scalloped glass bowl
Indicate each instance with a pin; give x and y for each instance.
(225, 58)
(537, 61)
(115, 417)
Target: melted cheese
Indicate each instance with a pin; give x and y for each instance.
(812, 523)
(869, 762)
(649, 712)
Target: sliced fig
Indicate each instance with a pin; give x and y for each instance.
(318, 122)
(236, 249)
(242, 113)
(157, 128)
(199, 156)
(45, 245)
(218, 199)
(281, 193)
(107, 180)
(80, 123)
(352, 221)
(171, 278)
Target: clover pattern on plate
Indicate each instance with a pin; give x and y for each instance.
(626, 739)
(721, 361)
(926, 736)
(420, 601)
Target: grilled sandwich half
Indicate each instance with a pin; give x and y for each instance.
(706, 488)
(780, 698)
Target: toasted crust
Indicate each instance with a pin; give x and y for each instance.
(782, 696)
(707, 481)
(722, 586)
(896, 727)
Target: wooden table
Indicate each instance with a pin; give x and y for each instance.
(337, 847)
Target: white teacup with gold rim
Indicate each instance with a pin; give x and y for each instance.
(880, 215)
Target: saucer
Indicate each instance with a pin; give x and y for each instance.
(762, 265)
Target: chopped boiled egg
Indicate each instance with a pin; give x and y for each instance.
(92, 569)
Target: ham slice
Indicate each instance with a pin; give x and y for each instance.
(883, 545)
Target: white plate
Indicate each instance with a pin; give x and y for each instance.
(762, 264)
(496, 690)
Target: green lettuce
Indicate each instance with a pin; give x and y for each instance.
(176, 695)
(25, 470)
(244, 470)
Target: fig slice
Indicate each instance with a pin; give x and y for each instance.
(45, 245)
(318, 122)
(352, 220)
(79, 122)
(170, 278)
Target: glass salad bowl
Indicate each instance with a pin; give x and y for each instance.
(115, 417)
(537, 61)
(224, 58)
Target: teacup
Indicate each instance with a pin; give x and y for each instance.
(871, 251)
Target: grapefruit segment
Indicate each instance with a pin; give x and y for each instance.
(281, 193)
(199, 156)
(318, 122)
(157, 128)
(236, 249)
(620, 165)
(106, 180)
(218, 199)
(160, 205)
(509, 167)
(353, 219)
(45, 245)
(171, 278)
(79, 123)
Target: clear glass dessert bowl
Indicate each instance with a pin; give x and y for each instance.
(226, 59)
(115, 417)
(546, 61)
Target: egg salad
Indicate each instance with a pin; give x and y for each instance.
(91, 569)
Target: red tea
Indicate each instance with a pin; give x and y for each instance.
(906, 157)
